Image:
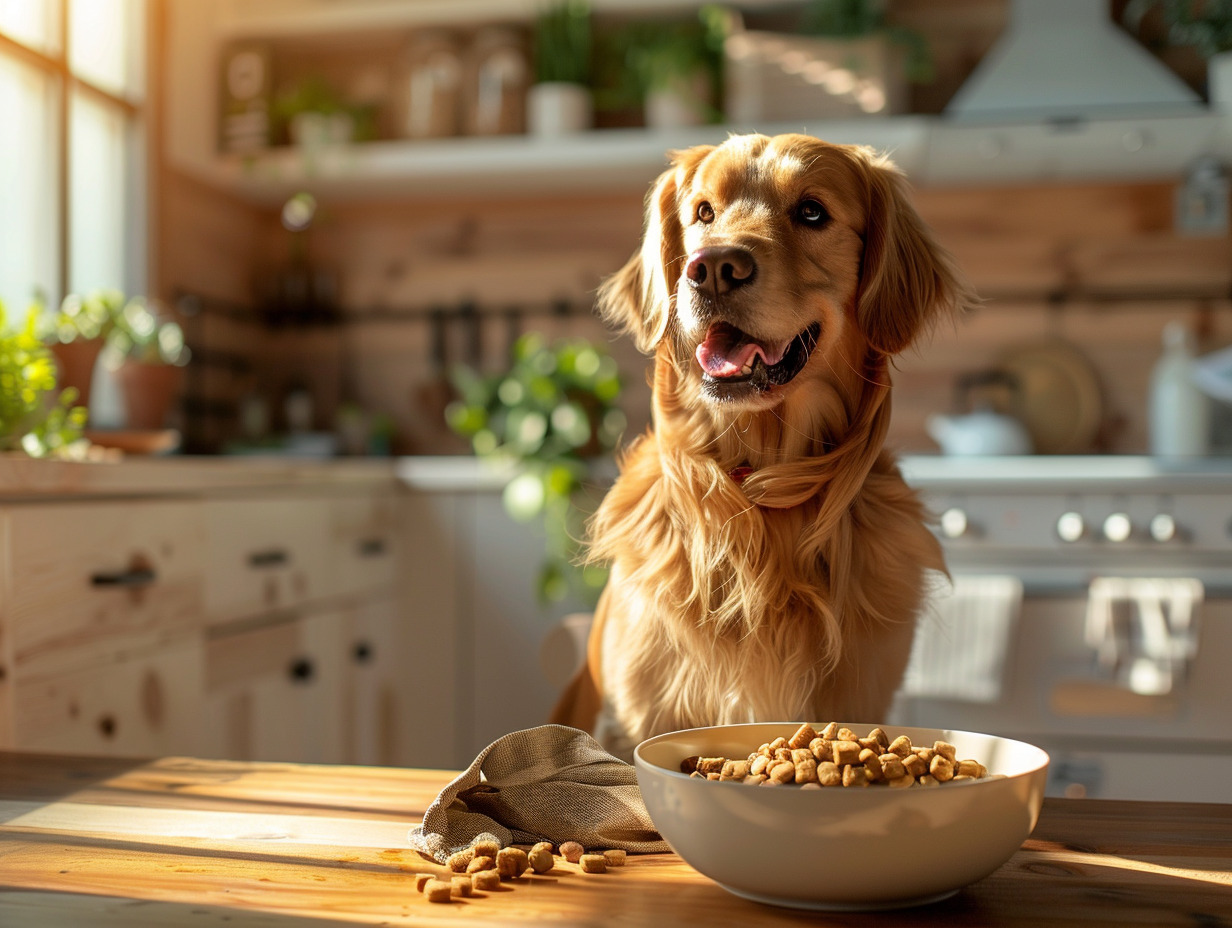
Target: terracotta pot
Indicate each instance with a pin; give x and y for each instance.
(76, 362)
(148, 391)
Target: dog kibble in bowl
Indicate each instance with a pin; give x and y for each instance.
(876, 792)
(837, 756)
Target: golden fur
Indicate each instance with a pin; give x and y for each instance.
(792, 594)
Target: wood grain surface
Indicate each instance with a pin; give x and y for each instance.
(179, 841)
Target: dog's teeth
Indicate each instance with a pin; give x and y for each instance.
(747, 369)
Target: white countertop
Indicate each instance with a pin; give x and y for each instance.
(24, 478)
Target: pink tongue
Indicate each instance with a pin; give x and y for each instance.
(726, 351)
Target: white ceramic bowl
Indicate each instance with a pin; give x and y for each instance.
(841, 848)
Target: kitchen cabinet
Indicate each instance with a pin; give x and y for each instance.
(268, 620)
(473, 572)
(140, 705)
(279, 691)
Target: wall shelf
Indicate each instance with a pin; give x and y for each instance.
(930, 150)
(602, 161)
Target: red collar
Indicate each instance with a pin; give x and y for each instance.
(738, 474)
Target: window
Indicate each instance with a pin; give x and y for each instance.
(72, 188)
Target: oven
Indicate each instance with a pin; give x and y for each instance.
(1090, 614)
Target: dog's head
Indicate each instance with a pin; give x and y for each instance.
(769, 264)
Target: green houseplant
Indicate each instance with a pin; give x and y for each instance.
(1202, 25)
(548, 417)
(1205, 25)
(559, 101)
(675, 68)
(148, 354)
(35, 418)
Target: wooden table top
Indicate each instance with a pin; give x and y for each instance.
(180, 841)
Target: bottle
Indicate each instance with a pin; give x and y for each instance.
(1179, 411)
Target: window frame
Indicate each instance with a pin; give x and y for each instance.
(134, 109)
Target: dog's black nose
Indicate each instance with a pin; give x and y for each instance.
(720, 269)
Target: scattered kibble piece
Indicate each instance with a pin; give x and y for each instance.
(458, 862)
(541, 859)
(593, 863)
(481, 863)
(438, 890)
(421, 879)
(572, 851)
(485, 880)
(511, 862)
(486, 847)
(614, 858)
(461, 886)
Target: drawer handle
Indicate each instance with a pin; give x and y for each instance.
(131, 578)
(302, 670)
(274, 557)
(372, 547)
(363, 652)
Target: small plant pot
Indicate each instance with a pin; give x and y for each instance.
(682, 102)
(76, 362)
(557, 108)
(148, 392)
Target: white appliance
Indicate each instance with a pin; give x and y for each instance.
(1066, 59)
(1097, 622)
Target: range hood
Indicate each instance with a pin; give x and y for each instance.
(1065, 60)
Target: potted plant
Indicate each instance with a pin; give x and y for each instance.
(148, 355)
(676, 68)
(548, 417)
(311, 114)
(559, 101)
(35, 417)
(1204, 26)
(76, 334)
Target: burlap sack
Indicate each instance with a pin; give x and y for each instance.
(550, 783)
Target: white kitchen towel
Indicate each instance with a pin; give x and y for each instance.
(963, 638)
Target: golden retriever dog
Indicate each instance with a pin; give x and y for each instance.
(767, 559)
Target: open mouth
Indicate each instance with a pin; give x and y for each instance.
(733, 362)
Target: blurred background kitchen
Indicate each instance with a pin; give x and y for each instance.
(321, 233)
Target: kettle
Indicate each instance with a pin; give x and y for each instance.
(983, 430)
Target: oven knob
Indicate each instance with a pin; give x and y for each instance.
(1071, 527)
(954, 523)
(1117, 527)
(1164, 528)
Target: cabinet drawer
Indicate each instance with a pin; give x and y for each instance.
(88, 582)
(143, 706)
(276, 690)
(365, 533)
(265, 555)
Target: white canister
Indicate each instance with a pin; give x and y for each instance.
(1179, 411)
(558, 108)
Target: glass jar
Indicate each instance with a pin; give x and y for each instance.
(498, 76)
(433, 87)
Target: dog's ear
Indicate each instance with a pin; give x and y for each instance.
(639, 298)
(907, 280)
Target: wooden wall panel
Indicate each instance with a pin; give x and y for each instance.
(1078, 261)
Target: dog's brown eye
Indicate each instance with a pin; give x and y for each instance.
(705, 212)
(812, 213)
